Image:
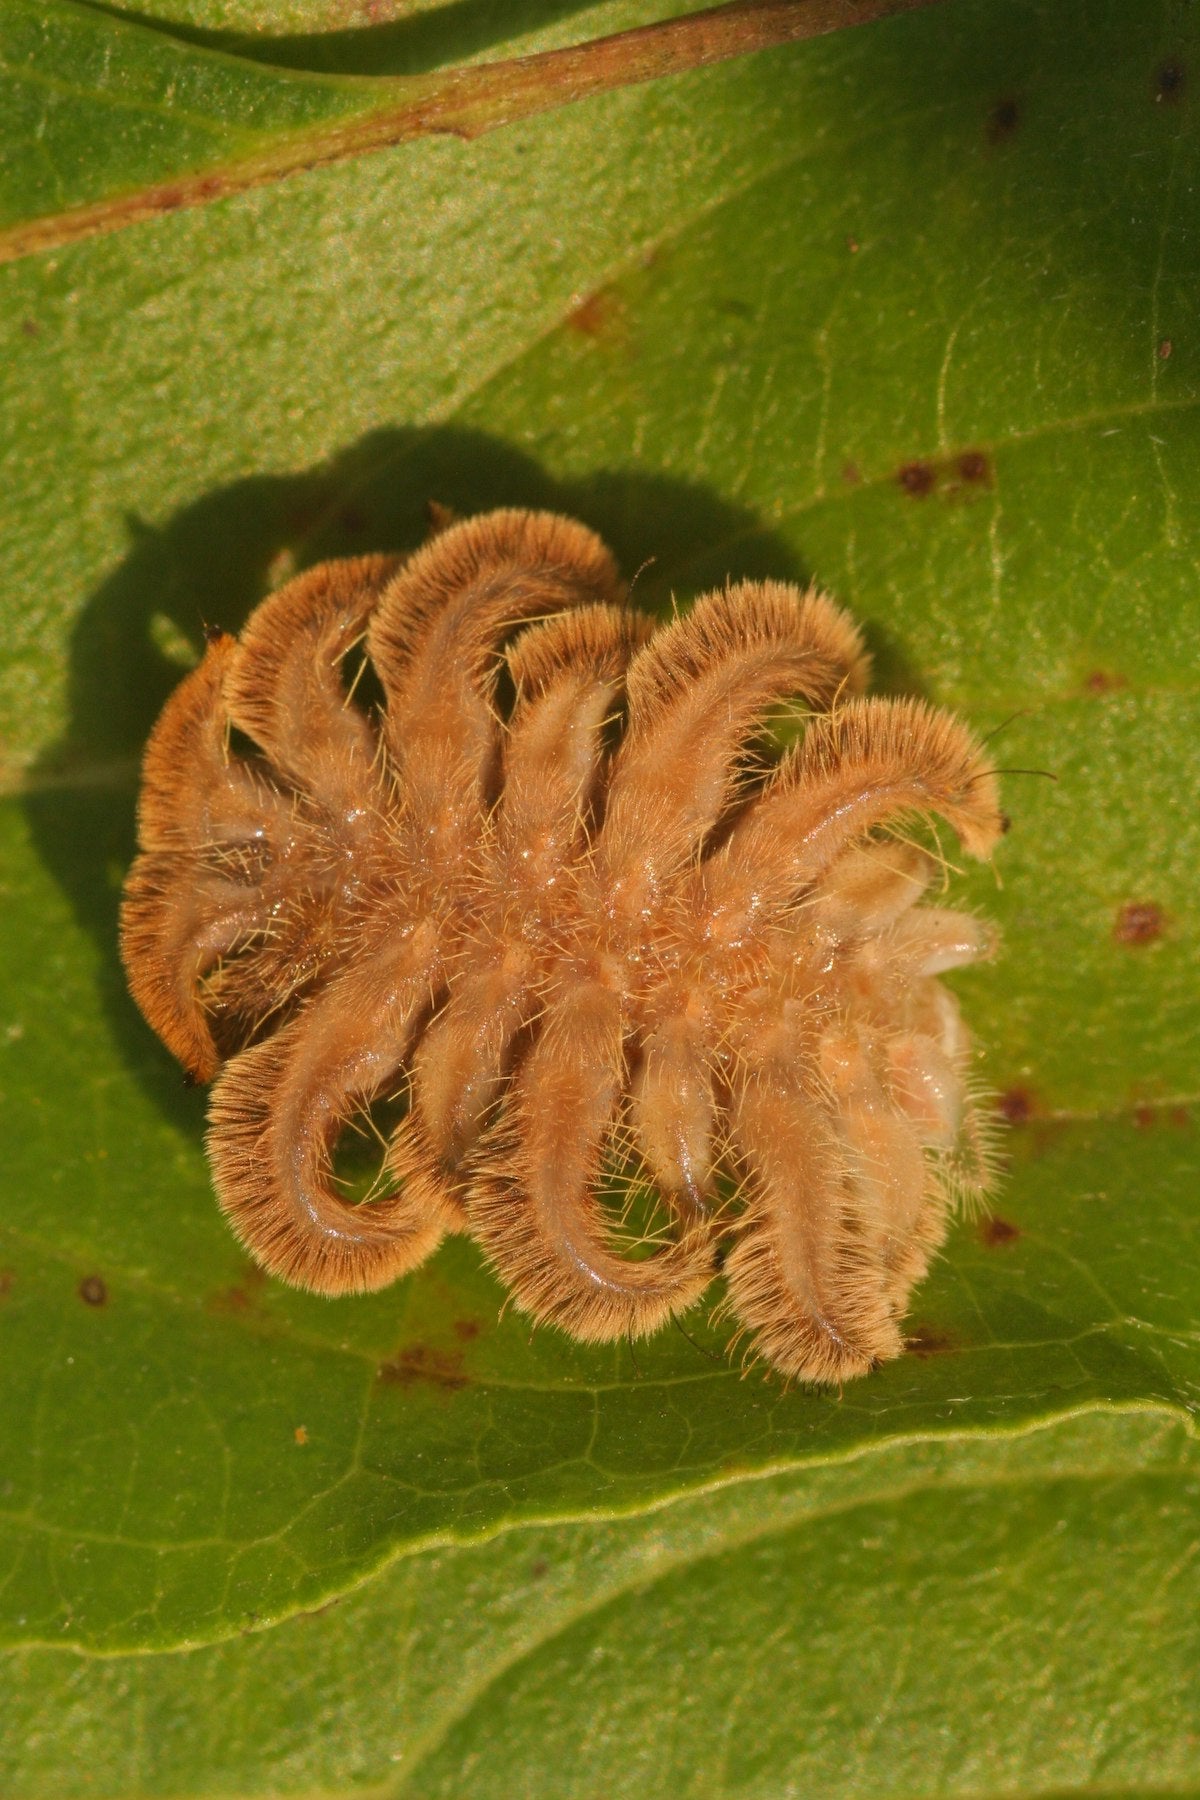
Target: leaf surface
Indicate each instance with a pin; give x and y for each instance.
(127, 122)
(913, 310)
(920, 1620)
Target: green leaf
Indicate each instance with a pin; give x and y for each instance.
(111, 121)
(114, 123)
(913, 309)
(921, 1619)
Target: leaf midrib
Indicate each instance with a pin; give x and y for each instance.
(948, 1478)
(643, 1583)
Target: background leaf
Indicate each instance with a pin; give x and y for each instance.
(129, 123)
(922, 1619)
(913, 309)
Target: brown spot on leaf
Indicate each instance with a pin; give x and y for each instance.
(352, 521)
(853, 246)
(1170, 80)
(1139, 922)
(930, 1340)
(1104, 681)
(93, 1290)
(1146, 1116)
(300, 1434)
(317, 1612)
(951, 477)
(7, 1277)
(1165, 347)
(917, 479)
(1016, 1104)
(1003, 119)
(31, 328)
(995, 1232)
(421, 1364)
(307, 510)
(242, 1295)
(538, 1568)
(594, 315)
(466, 1329)
(851, 474)
(229, 1300)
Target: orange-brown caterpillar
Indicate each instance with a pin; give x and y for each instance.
(605, 930)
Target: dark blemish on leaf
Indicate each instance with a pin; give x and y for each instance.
(7, 1277)
(1103, 681)
(1147, 1116)
(229, 1300)
(995, 1232)
(1016, 1104)
(300, 1434)
(1139, 922)
(242, 1295)
(1003, 120)
(466, 1329)
(317, 1612)
(421, 1364)
(1170, 79)
(917, 479)
(1005, 824)
(169, 198)
(851, 474)
(1165, 347)
(954, 477)
(593, 316)
(306, 513)
(736, 309)
(928, 1340)
(31, 328)
(853, 246)
(93, 1291)
(538, 1569)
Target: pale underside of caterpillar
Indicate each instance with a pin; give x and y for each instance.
(558, 889)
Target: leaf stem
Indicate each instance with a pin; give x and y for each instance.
(467, 102)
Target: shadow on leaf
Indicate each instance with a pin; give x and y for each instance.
(410, 45)
(216, 559)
